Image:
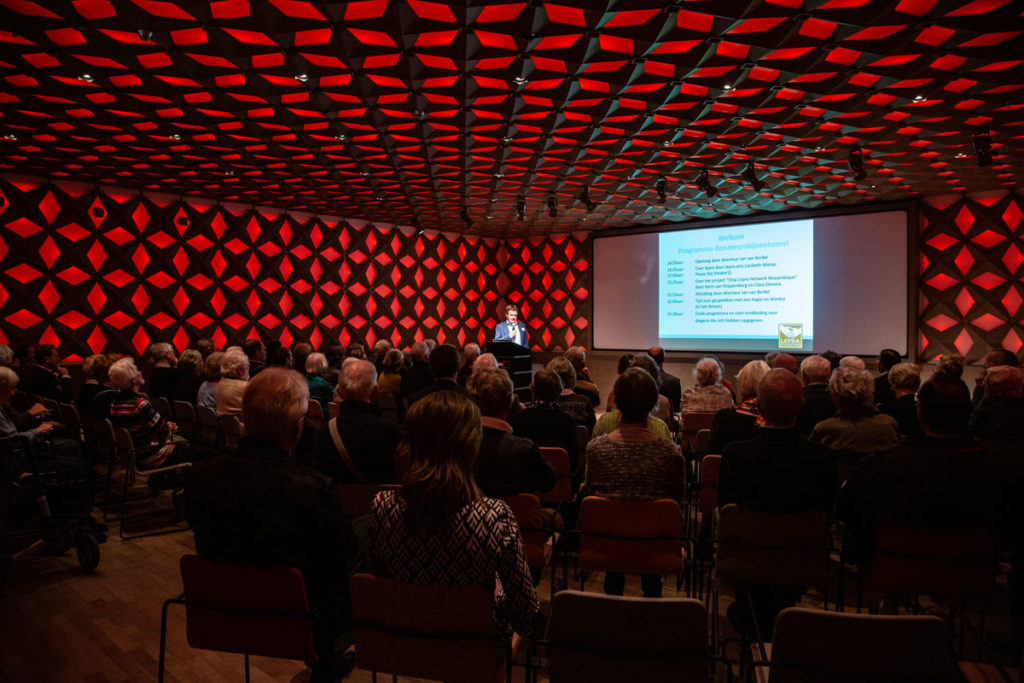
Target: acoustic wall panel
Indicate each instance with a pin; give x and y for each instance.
(92, 269)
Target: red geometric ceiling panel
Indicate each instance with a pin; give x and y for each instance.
(114, 286)
(980, 311)
(472, 117)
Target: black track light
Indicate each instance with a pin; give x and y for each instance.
(856, 161)
(552, 205)
(750, 175)
(521, 207)
(585, 198)
(983, 147)
(661, 188)
(464, 215)
(704, 183)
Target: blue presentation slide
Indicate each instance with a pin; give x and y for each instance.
(737, 288)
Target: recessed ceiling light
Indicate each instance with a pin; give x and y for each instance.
(175, 136)
(11, 136)
(919, 98)
(727, 86)
(86, 77)
(506, 139)
(301, 77)
(520, 80)
(341, 137)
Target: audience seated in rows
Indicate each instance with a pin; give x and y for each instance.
(234, 374)
(815, 372)
(300, 351)
(887, 358)
(785, 361)
(633, 463)
(417, 376)
(741, 421)
(578, 406)
(95, 368)
(152, 435)
(470, 352)
(584, 386)
(444, 366)
(438, 528)
(164, 376)
(358, 446)
(256, 351)
(261, 508)
(663, 408)
(507, 464)
(905, 379)
(857, 426)
(707, 395)
(45, 377)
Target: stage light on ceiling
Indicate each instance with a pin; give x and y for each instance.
(520, 81)
(750, 175)
(87, 78)
(302, 78)
(661, 188)
(983, 147)
(856, 162)
(704, 183)
(341, 137)
(145, 34)
(587, 201)
(521, 207)
(552, 205)
(464, 215)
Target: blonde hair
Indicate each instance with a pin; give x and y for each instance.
(749, 377)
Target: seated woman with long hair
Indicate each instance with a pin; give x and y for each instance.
(437, 528)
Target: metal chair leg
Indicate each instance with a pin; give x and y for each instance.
(246, 668)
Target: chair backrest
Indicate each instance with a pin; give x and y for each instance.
(250, 610)
(162, 406)
(69, 417)
(772, 548)
(125, 447)
(527, 510)
(957, 563)
(434, 632)
(702, 442)
(53, 406)
(356, 499)
(605, 638)
(690, 424)
(631, 536)
(207, 428)
(820, 647)
(559, 461)
(709, 468)
(231, 430)
(185, 416)
(333, 408)
(315, 414)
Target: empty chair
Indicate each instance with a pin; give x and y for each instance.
(563, 489)
(817, 646)
(185, 417)
(251, 611)
(442, 633)
(631, 536)
(605, 638)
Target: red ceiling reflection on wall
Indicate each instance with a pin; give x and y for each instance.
(93, 270)
(970, 281)
(472, 116)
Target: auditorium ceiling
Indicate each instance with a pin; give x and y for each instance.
(516, 118)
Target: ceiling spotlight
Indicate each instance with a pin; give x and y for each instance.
(10, 137)
(983, 147)
(86, 77)
(302, 78)
(727, 86)
(919, 98)
(341, 137)
(587, 201)
(661, 188)
(856, 161)
(704, 183)
(464, 215)
(229, 172)
(145, 34)
(961, 155)
(520, 81)
(521, 207)
(750, 175)
(499, 176)
(175, 136)
(506, 140)
(552, 205)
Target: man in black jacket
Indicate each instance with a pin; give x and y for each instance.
(48, 378)
(818, 405)
(261, 508)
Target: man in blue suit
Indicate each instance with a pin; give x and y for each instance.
(512, 330)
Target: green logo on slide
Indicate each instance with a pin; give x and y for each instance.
(791, 335)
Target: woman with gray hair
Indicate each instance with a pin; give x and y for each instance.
(857, 426)
(319, 388)
(905, 379)
(234, 372)
(207, 395)
(152, 435)
(707, 395)
(740, 422)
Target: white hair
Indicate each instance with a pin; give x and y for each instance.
(234, 364)
(855, 362)
(316, 363)
(160, 350)
(6, 355)
(8, 378)
(707, 372)
(123, 373)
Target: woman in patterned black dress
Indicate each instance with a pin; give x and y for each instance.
(438, 529)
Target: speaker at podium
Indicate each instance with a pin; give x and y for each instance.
(516, 359)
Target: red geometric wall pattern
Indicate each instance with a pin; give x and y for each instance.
(971, 256)
(93, 269)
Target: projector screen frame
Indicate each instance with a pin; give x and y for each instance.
(911, 208)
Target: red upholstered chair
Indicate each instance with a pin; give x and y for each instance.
(443, 633)
(559, 461)
(689, 425)
(632, 536)
(247, 610)
(707, 506)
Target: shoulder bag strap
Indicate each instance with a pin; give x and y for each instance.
(343, 452)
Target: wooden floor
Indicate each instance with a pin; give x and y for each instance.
(58, 625)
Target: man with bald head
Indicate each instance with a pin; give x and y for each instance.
(1000, 417)
(776, 471)
(359, 437)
